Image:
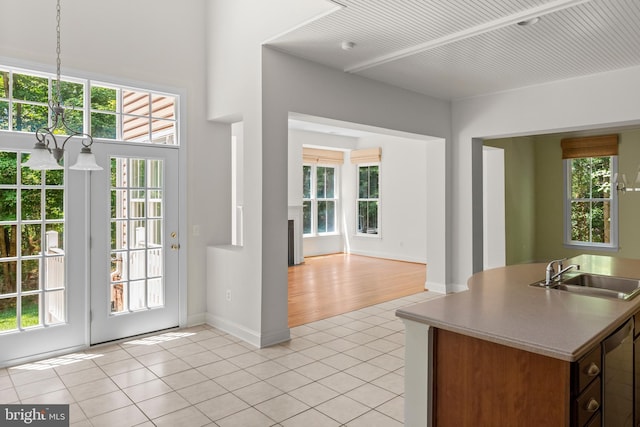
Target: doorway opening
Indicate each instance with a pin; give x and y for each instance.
(338, 172)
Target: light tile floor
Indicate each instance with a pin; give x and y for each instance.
(346, 370)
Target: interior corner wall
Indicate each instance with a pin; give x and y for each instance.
(295, 85)
(591, 102)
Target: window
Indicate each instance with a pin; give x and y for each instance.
(32, 255)
(114, 112)
(136, 234)
(368, 212)
(590, 203)
(319, 199)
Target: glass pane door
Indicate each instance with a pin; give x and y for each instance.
(138, 291)
(42, 287)
(136, 234)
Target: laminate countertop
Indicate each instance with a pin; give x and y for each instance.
(501, 307)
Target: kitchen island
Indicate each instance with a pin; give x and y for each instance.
(501, 313)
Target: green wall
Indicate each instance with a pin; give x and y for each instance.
(534, 198)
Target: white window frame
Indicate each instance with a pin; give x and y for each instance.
(378, 234)
(613, 226)
(169, 137)
(314, 199)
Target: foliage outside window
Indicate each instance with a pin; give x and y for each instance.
(368, 199)
(32, 255)
(319, 199)
(114, 112)
(590, 202)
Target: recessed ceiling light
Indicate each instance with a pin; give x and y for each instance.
(531, 21)
(347, 45)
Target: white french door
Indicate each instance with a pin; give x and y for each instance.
(43, 235)
(134, 241)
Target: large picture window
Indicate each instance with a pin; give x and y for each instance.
(319, 199)
(368, 212)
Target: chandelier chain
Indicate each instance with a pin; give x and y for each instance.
(57, 94)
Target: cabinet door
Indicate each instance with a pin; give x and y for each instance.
(479, 383)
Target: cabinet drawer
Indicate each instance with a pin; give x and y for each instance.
(589, 402)
(589, 368)
(596, 421)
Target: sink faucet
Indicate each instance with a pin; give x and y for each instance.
(550, 273)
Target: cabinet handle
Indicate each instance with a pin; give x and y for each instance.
(593, 370)
(592, 405)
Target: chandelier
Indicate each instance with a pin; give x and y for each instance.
(48, 150)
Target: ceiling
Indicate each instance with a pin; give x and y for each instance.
(453, 49)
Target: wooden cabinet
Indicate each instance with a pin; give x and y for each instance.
(587, 389)
(480, 383)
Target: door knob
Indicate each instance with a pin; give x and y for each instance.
(175, 246)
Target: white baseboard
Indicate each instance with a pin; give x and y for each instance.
(394, 257)
(42, 356)
(441, 288)
(252, 337)
(274, 338)
(453, 288)
(196, 319)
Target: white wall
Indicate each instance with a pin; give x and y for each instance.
(592, 102)
(403, 200)
(494, 248)
(147, 43)
(235, 33)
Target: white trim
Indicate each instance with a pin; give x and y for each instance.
(248, 335)
(418, 379)
(358, 199)
(196, 319)
(183, 236)
(438, 288)
(41, 356)
(612, 246)
(337, 185)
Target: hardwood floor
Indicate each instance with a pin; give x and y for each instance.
(329, 285)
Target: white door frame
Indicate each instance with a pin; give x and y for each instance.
(120, 324)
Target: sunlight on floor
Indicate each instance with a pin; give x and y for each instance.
(169, 336)
(57, 361)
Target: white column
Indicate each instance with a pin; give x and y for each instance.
(418, 374)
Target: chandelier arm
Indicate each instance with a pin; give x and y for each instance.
(46, 137)
(73, 133)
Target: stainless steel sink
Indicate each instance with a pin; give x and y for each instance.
(597, 286)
